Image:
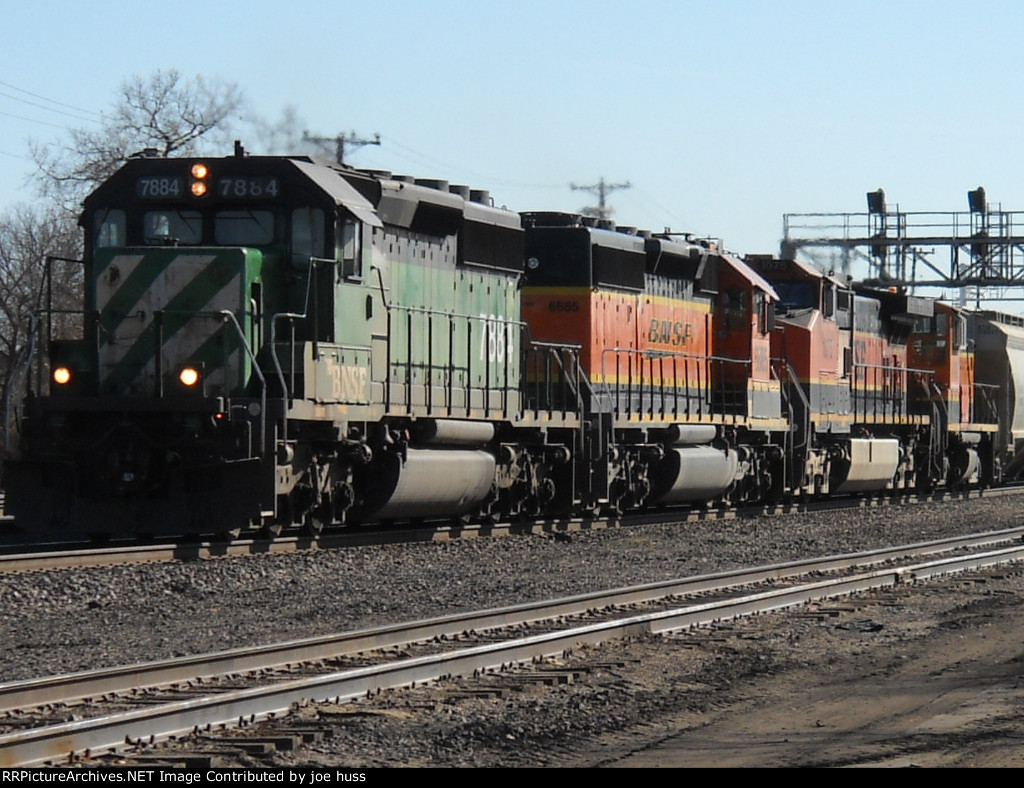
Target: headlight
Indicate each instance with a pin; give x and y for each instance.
(62, 376)
(189, 376)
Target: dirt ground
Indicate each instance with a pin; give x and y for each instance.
(932, 677)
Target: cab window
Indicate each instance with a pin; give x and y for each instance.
(351, 257)
(307, 235)
(796, 294)
(109, 227)
(254, 228)
(172, 227)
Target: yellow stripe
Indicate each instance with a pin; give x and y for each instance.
(587, 293)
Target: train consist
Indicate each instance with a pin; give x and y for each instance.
(277, 343)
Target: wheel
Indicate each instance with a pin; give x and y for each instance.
(316, 520)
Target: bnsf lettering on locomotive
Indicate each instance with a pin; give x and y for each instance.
(667, 332)
(348, 383)
(564, 306)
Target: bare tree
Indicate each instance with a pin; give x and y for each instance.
(168, 112)
(165, 111)
(28, 236)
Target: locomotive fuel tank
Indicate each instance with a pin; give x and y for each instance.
(864, 465)
(429, 483)
(444, 472)
(694, 473)
(966, 465)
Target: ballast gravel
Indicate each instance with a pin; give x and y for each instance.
(71, 620)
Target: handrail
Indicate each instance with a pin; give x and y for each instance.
(706, 387)
(987, 390)
(573, 378)
(227, 314)
(285, 391)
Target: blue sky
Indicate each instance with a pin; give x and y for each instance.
(722, 115)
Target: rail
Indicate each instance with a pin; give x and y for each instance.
(882, 391)
(986, 393)
(485, 360)
(553, 380)
(679, 385)
(448, 362)
(53, 742)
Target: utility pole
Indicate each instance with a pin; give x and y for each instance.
(340, 141)
(602, 190)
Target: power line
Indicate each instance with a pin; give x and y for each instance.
(45, 108)
(602, 190)
(340, 141)
(33, 120)
(51, 101)
(422, 159)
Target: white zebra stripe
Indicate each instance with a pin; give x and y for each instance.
(178, 274)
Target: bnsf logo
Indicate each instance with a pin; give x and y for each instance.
(348, 383)
(666, 332)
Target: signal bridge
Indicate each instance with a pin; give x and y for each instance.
(979, 252)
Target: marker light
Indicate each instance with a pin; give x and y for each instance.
(199, 173)
(189, 376)
(62, 376)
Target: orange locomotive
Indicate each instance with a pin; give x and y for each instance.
(964, 448)
(673, 341)
(883, 387)
(705, 377)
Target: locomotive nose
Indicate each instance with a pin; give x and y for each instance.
(127, 466)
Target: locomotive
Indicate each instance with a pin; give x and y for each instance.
(280, 343)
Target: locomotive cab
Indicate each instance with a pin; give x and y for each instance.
(846, 390)
(963, 405)
(812, 332)
(744, 322)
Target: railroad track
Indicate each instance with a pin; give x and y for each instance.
(155, 701)
(22, 558)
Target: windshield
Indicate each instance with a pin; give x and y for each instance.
(797, 295)
(243, 227)
(173, 227)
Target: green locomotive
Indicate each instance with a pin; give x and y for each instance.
(275, 342)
